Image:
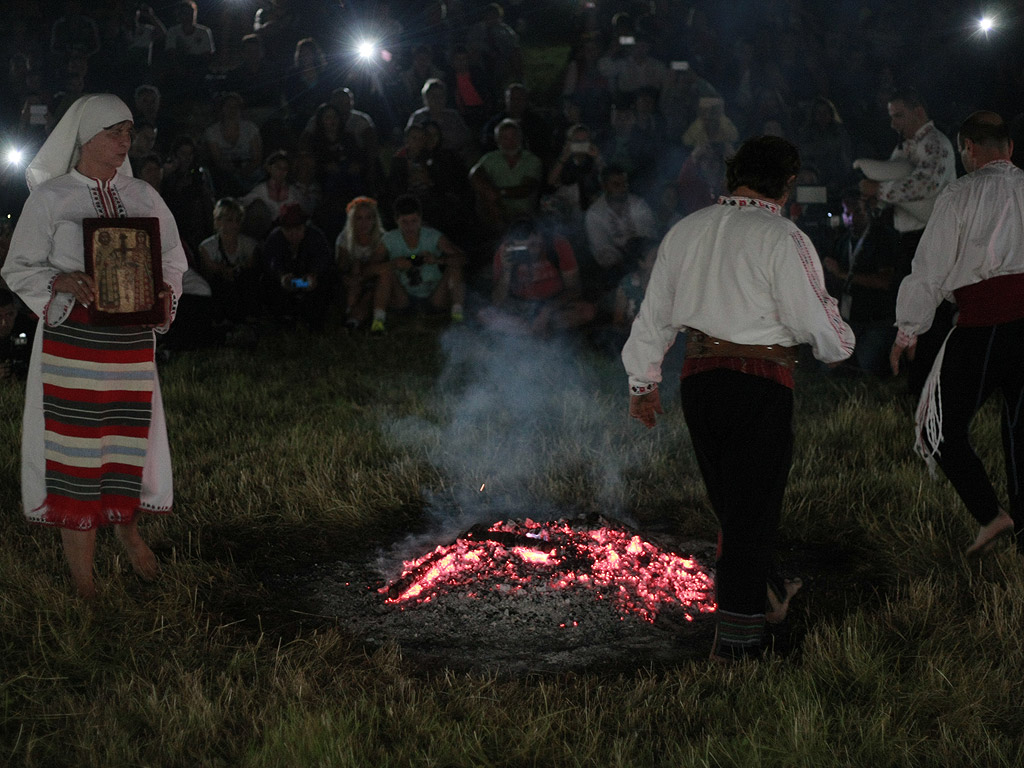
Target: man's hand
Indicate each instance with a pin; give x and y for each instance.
(898, 350)
(644, 407)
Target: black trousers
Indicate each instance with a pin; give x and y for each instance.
(742, 434)
(976, 363)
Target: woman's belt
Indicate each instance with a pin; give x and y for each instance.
(699, 344)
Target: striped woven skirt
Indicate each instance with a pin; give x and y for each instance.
(97, 405)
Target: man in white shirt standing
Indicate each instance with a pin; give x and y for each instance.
(747, 286)
(972, 250)
(910, 181)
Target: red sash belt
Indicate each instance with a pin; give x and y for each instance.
(991, 302)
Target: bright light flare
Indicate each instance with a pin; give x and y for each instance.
(366, 50)
(14, 156)
(986, 24)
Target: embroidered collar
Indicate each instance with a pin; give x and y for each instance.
(744, 202)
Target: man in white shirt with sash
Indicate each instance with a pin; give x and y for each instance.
(973, 250)
(747, 286)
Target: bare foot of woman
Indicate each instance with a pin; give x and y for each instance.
(141, 557)
(79, 547)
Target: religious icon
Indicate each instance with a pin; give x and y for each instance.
(123, 257)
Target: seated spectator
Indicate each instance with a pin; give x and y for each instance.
(711, 124)
(495, 46)
(235, 149)
(626, 145)
(575, 179)
(450, 207)
(587, 85)
(701, 179)
(146, 33)
(74, 32)
(619, 224)
(666, 207)
(648, 136)
(638, 69)
(536, 127)
(149, 168)
(824, 143)
(364, 265)
(188, 50)
(143, 144)
(298, 279)
(306, 84)
(255, 79)
(860, 273)
(475, 97)
(537, 288)
(264, 202)
(360, 126)
(454, 131)
(340, 166)
(680, 99)
(229, 260)
(188, 192)
(507, 180)
(147, 108)
(409, 172)
(414, 77)
(427, 266)
(305, 185)
(193, 319)
(629, 295)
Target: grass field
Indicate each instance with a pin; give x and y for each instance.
(899, 651)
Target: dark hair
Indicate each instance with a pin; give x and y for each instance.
(6, 297)
(909, 96)
(182, 140)
(765, 164)
(150, 158)
(407, 204)
(612, 169)
(986, 129)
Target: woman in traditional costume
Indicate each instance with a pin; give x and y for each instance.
(94, 442)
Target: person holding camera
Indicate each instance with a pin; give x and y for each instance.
(427, 266)
(537, 286)
(299, 270)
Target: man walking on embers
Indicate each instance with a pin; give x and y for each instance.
(747, 286)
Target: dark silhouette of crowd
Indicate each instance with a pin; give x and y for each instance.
(265, 125)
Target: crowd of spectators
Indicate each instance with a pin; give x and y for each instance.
(266, 133)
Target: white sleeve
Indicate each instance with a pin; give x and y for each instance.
(652, 333)
(28, 270)
(805, 307)
(173, 260)
(921, 291)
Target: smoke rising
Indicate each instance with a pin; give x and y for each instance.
(530, 428)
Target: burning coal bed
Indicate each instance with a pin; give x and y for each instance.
(520, 596)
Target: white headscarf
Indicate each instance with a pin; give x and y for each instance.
(84, 119)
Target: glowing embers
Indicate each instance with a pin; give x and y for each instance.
(509, 557)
